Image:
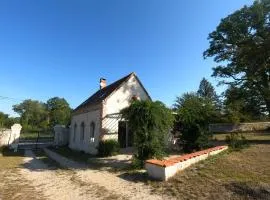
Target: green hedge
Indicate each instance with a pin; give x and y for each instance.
(108, 148)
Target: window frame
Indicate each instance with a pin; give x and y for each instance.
(82, 132)
(74, 132)
(92, 131)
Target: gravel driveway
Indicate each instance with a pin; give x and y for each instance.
(76, 181)
(110, 181)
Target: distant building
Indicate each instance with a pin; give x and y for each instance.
(98, 118)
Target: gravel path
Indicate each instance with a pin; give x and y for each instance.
(60, 184)
(110, 181)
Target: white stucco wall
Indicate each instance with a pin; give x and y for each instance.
(118, 100)
(87, 145)
(165, 172)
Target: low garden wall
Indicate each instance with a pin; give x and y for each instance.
(241, 127)
(164, 169)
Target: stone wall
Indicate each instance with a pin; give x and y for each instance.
(241, 127)
(61, 135)
(10, 137)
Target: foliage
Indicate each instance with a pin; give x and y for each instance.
(59, 111)
(193, 109)
(108, 148)
(206, 90)
(6, 121)
(243, 105)
(34, 114)
(236, 141)
(240, 44)
(150, 122)
(195, 113)
(3, 119)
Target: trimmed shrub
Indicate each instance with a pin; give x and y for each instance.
(236, 141)
(108, 148)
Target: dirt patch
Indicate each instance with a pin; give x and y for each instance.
(55, 183)
(13, 185)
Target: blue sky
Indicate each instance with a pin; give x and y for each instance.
(61, 48)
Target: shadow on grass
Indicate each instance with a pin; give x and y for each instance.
(87, 161)
(136, 177)
(249, 192)
(123, 167)
(37, 159)
(6, 151)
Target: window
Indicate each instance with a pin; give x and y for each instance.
(82, 131)
(92, 131)
(74, 132)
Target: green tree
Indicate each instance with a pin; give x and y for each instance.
(240, 44)
(33, 114)
(242, 105)
(3, 120)
(206, 90)
(59, 111)
(150, 123)
(195, 114)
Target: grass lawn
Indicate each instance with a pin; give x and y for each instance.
(230, 175)
(252, 137)
(34, 135)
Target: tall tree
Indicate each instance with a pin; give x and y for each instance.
(240, 44)
(206, 90)
(59, 111)
(242, 105)
(33, 114)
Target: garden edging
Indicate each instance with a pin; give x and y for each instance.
(164, 169)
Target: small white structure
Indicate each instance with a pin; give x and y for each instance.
(164, 169)
(98, 117)
(10, 137)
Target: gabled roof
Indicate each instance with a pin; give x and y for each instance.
(103, 93)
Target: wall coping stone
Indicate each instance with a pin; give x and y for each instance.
(172, 161)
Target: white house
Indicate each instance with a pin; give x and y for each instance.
(98, 117)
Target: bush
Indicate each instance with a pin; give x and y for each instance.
(236, 141)
(108, 148)
(150, 122)
(194, 114)
(195, 138)
(136, 163)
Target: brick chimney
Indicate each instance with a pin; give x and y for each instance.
(102, 83)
